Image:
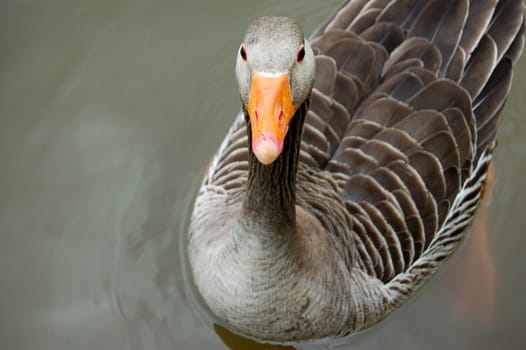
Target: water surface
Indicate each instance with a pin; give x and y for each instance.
(110, 110)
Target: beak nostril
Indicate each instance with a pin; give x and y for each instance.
(257, 116)
(280, 117)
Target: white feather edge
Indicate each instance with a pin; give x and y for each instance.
(459, 217)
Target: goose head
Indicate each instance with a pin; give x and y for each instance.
(275, 71)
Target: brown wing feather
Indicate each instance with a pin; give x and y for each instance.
(405, 73)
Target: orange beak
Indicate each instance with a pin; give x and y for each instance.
(270, 109)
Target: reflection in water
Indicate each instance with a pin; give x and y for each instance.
(474, 281)
(236, 342)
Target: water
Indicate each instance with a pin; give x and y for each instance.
(109, 113)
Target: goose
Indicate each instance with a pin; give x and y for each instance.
(355, 166)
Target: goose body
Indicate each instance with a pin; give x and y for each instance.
(355, 166)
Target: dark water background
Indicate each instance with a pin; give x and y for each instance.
(109, 111)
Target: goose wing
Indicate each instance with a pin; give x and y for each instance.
(404, 112)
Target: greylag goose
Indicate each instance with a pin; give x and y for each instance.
(355, 166)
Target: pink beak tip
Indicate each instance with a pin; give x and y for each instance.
(267, 149)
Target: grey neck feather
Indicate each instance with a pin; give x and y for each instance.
(270, 200)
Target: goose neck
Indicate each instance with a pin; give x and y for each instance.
(270, 196)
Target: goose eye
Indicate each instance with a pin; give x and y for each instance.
(243, 53)
(301, 54)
